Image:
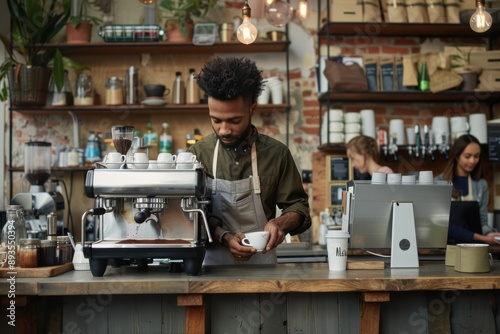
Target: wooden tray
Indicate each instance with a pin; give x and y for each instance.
(36, 272)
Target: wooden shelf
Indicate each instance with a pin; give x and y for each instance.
(167, 48)
(417, 97)
(137, 109)
(375, 29)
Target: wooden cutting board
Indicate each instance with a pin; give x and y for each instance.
(36, 272)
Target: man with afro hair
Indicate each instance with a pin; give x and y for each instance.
(252, 173)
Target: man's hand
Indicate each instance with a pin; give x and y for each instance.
(279, 227)
(240, 253)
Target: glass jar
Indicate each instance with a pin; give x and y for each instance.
(114, 91)
(47, 253)
(60, 97)
(84, 90)
(64, 250)
(14, 230)
(28, 253)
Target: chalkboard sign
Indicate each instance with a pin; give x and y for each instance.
(494, 142)
(339, 168)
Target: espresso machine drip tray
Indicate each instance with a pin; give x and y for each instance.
(100, 252)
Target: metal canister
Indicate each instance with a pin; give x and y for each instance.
(51, 226)
(132, 85)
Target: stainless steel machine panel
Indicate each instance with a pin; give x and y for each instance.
(370, 207)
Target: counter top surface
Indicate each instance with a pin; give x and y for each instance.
(282, 278)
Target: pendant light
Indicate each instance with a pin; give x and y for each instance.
(246, 33)
(302, 9)
(279, 13)
(481, 20)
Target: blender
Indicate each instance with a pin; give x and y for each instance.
(122, 136)
(39, 202)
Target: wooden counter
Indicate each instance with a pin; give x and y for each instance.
(225, 297)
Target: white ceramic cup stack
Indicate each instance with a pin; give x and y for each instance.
(397, 131)
(441, 129)
(276, 87)
(332, 129)
(459, 126)
(368, 127)
(478, 127)
(352, 122)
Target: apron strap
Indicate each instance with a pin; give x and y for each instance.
(255, 171)
(214, 167)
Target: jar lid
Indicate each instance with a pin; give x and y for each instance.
(48, 243)
(32, 241)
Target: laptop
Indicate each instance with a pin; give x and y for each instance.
(466, 214)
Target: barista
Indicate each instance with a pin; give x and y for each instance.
(364, 155)
(464, 169)
(253, 173)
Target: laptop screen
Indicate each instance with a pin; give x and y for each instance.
(466, 214)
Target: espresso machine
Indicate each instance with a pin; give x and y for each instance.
(39, 201)
(147, 214)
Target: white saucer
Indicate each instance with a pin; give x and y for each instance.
(154, 101)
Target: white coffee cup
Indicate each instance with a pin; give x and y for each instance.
(478, 127)
(336, 126)
(351, 135)
(336, 137)
(141, 160)
(379, 178)
(394, 178)
(352, 127)
(425, 177)
(257, 240)
(166, 160)
(337, 245)
(114, 160)
(334, 115)
(397, 130)
(459, 126)
(410, 135)
(264, 95)
(352, 117)
(441, 129)
(185, 157)
(153, 164)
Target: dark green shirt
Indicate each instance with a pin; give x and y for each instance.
(280, 179)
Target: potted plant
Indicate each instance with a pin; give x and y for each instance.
(460, 64)
(180, 26)
(79, 25)
(34, 24)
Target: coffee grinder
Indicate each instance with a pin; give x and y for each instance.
(122, 139)
(39, 201)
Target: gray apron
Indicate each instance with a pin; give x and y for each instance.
(238, 204)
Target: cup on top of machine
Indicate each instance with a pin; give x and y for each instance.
(379, 178)
(141, 160)
(114, 160)
(166, 161)
(425, 177)
(394, 178)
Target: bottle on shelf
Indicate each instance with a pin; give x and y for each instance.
(178, 90)
(193, 91)
(151, 138)
(92, 153)
(424, 81)
(197, 135)
(165, 139)
(14, 229)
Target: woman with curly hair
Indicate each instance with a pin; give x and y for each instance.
(252, 173)
(363, 153)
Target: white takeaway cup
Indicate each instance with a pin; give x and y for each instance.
(408, 179)
(397, 130)
(368, 127)
(337, 245)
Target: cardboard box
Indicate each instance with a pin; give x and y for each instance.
(345, 12)
(489, 80)
(487, 60)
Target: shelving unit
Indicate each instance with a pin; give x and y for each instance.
(140, 111)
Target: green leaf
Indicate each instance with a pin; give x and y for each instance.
(58, 70)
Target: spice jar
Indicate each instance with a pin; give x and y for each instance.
(47, 253)
(114, 91)
(64, 250)
(28, 253)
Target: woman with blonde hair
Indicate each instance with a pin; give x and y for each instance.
(364, 155)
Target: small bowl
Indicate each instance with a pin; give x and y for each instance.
(276, 35)
(155, 90)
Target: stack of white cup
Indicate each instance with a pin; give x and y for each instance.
(479, 127)
(352, 125)
(332, 129)
(397, 131)
(441, 129)
(368, 123)
(459, 126)
(273, 88)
